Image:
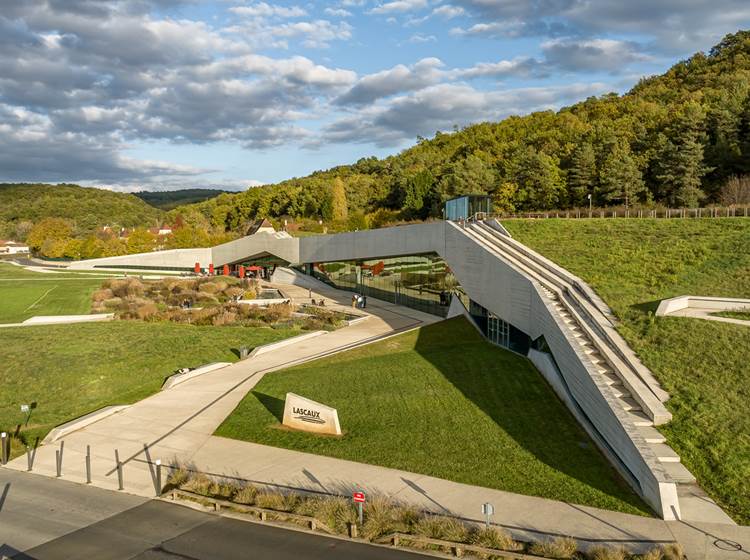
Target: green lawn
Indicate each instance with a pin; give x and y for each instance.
(704, 365)
(441, 401)
(70, 370)
(24, 294)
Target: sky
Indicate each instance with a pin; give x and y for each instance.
(166, 94)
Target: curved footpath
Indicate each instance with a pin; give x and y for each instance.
(177, 424)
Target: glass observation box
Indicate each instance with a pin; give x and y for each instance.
(464, 207)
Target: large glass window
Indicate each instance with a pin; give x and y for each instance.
(498, 331)
(422, 282)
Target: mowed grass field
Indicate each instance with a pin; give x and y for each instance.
(71, 370)
(705, 365)
(441, 401)
(24, 294)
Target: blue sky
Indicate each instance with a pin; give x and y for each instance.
(166, 94)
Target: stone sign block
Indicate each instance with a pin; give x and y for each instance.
(305, 414)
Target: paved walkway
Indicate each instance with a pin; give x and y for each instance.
(179, 423)
(707, 314)
(60, 320)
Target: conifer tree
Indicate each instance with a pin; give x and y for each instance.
(680, 165)
(620, 179)
(582, 174)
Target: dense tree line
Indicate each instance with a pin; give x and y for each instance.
(84, 209)
(675, 139)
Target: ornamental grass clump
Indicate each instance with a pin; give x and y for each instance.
(560, 548)
(493, 537)
(245, 495)
(673, 551)
(607, 553)
(178, 477)
(444, 528)
(277, 501)
(379, 518)
(336, 513)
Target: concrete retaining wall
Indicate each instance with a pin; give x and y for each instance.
(671, 305)
(69, 427)
(177, 378)
(173, 258)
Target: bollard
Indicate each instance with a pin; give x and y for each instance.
(59, 457)
(3, 440)
(28, 458)
(58, 466)
(118, 464)
(158, 477)
(88, 464)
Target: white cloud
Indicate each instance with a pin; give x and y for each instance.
(399, 6)
(420, 38)
(337, 12)
(448, 11)
(264, 10)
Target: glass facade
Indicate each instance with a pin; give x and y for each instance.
(422, 282)
(465, 207)
(498, 331)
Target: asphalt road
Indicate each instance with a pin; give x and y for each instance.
(47, 519)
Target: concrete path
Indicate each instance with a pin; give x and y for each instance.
(60, 320)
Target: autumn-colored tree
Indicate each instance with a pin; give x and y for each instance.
(340, 208)
(49, 229)
(141, 241)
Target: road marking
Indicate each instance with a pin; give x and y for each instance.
(44, 295)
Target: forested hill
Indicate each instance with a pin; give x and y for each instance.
(166, 200)
(85, 208)
(674, 139)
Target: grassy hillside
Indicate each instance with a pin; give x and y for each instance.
(86, 208)
(87, 366)
(674, 139)
(444, 402)
(704, 365)
(167, 200)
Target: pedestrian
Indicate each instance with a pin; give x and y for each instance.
(364, 302)
(309, 293)
(354, 301)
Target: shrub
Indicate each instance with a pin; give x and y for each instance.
(234, 292)
(199, 484)
(178, 477)
(147, 311)
(560, 547)
(246, 495)
(336, 513)
(113, 303)
(653, 554)
(276, 501)
(278, 312)
(607, 553)
(673, 551)
(208, 288)
(438, 527)
(102, 294)
(492, 537)
(378, 519)
(224, 318)
(125, 287)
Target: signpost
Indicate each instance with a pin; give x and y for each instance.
(359, 499)
(488, 509)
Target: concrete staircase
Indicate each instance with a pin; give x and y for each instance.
(590, 323)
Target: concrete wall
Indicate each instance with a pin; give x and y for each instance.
(173, 258)
(279, 244)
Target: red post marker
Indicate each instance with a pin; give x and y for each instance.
(359, 497)
(211, 269)
(242, 271)
(197, 268)
(226, 270)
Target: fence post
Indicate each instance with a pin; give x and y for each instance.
(120, 485)
(158, 477)
(28, 458)
(88, 464)
(3, 440)
(59, 458)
